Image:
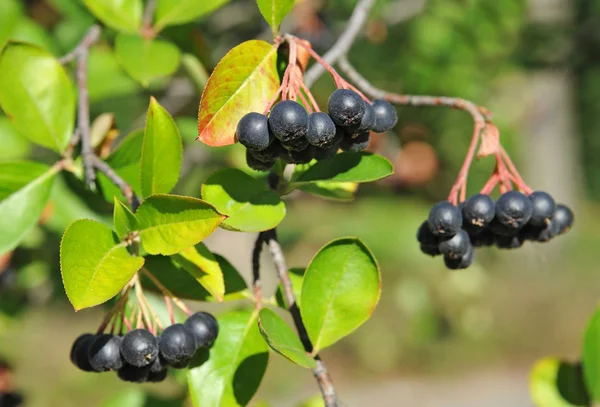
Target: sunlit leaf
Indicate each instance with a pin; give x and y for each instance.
(95, 266)
(37, 95)
(201, 264)
(554, 383)
(230, 373)
(244, 81)
(170, 12)
(121, 15)
(274, 11)
(249, 204)
(340, 290)
(591, 355)
(124, 220)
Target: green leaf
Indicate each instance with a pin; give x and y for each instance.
(183, 285)
(249, 204)
(245, 80)
(201, 264)
(11, 11)
(106, 79)
(146, 59)
(229, 374)
(24, 191)
(347, 167)
(170, 223)
(94, 265)
(125, 160)
(555, 383)
(282, 339)
(124, 220)
(169, 12)
(296, 278)
(591, 355)
(340, 290)
(336, 191)
(315, 401)
(161, 152)
(274, 11)
(37, 95)
(121, 15)
(14, 145)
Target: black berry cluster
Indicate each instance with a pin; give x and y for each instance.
(297, 137)
(514, 218)
(139, 356)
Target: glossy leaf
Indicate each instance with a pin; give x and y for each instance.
(37, 95)
(125, 160)
(95, 266)
(123, 219)
(169, 12)
(347, 167)
(106, 77)
(249, 204)
(14, 145)
(244, 81)
(555, 383)
(274, 11)
(183, 285)
(171, 223)
(230, 373)
(161, 152)
(121, 15)
(340, 290)
(336, 191)
(201, 264)
(282, 339)
(24, 191)
(146, 59)
(591, 355)
(296, 278)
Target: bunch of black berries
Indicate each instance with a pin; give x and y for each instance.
(297, 137)
(455, 231)
(139, 356)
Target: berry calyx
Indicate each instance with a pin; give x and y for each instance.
(253, 132)
(288, 120)
(346, 107)
(203, 327)
(176, 345)
(513, 209)
(79, 352)
(444, 219)
(321, 130)
(105, 353)
(456, 246)
(139, 348)
(385, 116)
(543, 208)
(478, 211)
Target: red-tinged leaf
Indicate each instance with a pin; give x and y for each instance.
(244, 81)
(490, 141)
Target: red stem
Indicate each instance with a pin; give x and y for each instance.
(461, 180)
(170, 309)
(490, 184)
(513, 169)
(310, 96)
(339, 81)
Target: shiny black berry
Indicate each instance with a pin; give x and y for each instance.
(321, 130)
(385, 116)
(176, 345)
(288, 120)
(428, 241)
(324, 153)
(346, 107)
(134, 374)
(456, 246)
(159, 363)
(79, 352)
(257, 164)
(543, 233)
(478, 211)
(253, 132)
(461, 262)
(500, 229)
(298, 144)
(367, 122)
(513, 209)
(509, 242)
(299, 157)
(105, 353)
(444, 219)
(543, 208)
(139, 348)
(156, 377)
(564, 218)
(355, 143)
(203, 327)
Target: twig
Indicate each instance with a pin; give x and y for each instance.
(89, 39)
(256, 284)
(112, 175)
(147, 30)
(320, 372)
(165, 291)
(344, 42)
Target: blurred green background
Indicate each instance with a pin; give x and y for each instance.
(437, 338)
